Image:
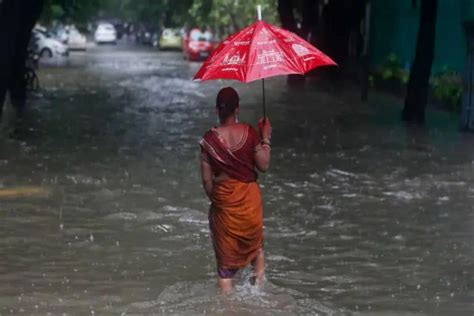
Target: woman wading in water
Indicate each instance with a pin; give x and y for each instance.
(231, 155)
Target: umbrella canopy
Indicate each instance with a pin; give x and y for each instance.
(259, 51)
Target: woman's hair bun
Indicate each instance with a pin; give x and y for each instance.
(226, 102)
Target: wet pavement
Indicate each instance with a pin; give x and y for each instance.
(105, 213)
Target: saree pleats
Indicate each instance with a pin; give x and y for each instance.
(235, 219)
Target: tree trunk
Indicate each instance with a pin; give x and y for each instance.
(235, 21)
(364, 58)
(418, 85)
(4, 55)
(286, 10)
(310, 18)
(17, 19)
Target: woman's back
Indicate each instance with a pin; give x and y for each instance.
(235, 135)
(240, 140)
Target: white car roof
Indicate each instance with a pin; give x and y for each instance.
(105, 25)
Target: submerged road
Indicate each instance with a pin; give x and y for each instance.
(102, 209)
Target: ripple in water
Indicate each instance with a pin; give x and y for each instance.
(202, 298)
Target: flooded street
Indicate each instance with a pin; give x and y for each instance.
(107, 215)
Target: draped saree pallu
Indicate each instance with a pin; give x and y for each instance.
(235, 215)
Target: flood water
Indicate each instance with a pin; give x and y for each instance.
(106, 215)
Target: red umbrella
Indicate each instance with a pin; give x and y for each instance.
(259, 51)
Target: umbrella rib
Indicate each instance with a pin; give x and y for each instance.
(258, 25)
(225, 50)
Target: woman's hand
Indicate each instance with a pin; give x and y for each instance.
(265, 128)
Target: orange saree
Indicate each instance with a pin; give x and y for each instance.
(235, 220)
(236, 214)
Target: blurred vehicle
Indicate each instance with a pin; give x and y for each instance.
(62, 35)
(59, 31)
(129, 29)
(48, 46)
(197, 45)
(33, 51)
(105, 33)
(120, 28)
(41, 28)
(170, 39)
(76, 40)
(156, 40)
(31, 63)
(145, 35)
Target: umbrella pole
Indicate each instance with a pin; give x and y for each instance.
(263, 93)
(259, 16)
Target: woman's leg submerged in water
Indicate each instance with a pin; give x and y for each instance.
(225, 285)
(258, 265)
(224, 279)
(225, 276)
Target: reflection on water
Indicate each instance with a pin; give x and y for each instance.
(362, 215)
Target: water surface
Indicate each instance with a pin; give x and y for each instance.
(363, 215)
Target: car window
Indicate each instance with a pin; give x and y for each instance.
(41, 33)
(105, 27)
(37, 34)
(197, 35)
(46, 34)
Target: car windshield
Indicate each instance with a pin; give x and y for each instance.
(197, 35)
(169, 33)
(45, 34)
(105, 27)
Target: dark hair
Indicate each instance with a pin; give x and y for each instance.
(226, 102)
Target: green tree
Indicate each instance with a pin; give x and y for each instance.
(154, 12)
(70, 10)
(227, 16)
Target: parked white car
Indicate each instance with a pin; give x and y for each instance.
(48, 46)
(76, 41)
(105, 33)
